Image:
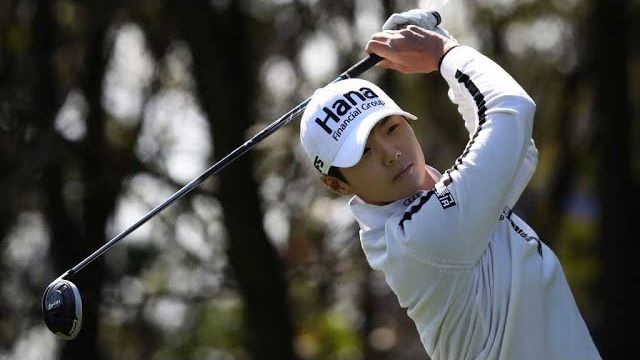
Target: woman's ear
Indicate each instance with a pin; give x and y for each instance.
(336, 185)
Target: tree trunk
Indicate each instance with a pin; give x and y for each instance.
(64, 234)
(225, 68)
(70, 241)
(613, 116)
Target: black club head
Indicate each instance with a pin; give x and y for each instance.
(62, 309)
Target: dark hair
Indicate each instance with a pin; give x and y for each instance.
(336, 173)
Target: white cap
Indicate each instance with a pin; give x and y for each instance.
(337, 121)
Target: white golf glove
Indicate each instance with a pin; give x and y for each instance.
(428, 20)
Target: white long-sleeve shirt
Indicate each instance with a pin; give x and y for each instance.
(474, 277)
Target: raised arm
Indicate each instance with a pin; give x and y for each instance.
(468, 110)
(453, 223)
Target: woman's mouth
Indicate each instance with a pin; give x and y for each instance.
(403, 172)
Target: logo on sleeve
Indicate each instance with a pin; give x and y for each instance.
(444, 196)
(506, 213)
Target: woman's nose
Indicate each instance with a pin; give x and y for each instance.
(391, 156)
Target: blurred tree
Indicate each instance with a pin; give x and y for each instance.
(74, 238)
(226, 60)
(612, 116)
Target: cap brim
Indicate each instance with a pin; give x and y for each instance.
(351, 150)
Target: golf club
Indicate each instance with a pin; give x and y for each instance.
(61, 302)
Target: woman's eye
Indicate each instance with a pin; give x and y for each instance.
(392, 128)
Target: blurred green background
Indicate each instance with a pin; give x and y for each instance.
(108, 107)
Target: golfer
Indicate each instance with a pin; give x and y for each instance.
(474, 277)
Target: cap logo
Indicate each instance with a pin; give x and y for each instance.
(318, 164)
(342, 106)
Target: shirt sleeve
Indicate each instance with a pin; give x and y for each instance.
(453, 222)
(468, 111)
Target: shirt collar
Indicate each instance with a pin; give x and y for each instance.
(375, 216)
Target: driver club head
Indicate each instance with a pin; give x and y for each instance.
(62, 309)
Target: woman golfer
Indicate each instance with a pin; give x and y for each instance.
(473, 276)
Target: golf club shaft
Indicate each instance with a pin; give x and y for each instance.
(354, 71)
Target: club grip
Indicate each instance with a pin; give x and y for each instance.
(361, 66)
